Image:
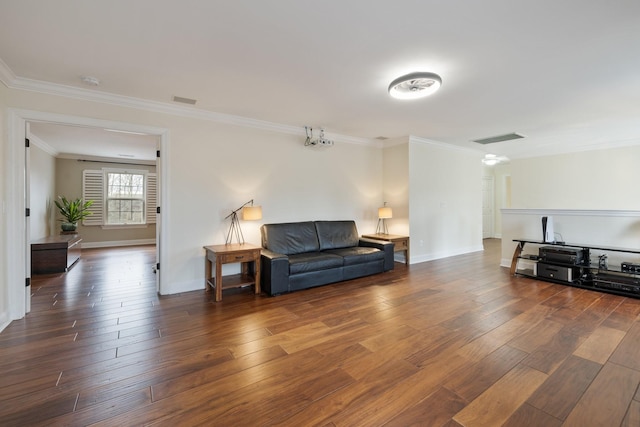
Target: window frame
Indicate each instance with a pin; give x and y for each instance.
(106, 197)
(94, 187)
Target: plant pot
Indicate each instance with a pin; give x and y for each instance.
(69, 226)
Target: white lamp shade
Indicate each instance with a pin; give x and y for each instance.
(252, 213)
(385, 212)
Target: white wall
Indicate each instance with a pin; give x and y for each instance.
(445, 200)
(214, 167)
(598, 179)
(42, 192)
(590, 194)
(396, 184)
(5, 318)
(619, 229)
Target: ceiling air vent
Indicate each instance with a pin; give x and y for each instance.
(184, 100)
(499, 138)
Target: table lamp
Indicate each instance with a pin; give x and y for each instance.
(384, 213)
(249, 213)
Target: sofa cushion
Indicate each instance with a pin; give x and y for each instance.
(358, 255)
(336, 234)
(313, 261)
(290, 238)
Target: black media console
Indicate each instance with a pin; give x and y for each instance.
(583, 266)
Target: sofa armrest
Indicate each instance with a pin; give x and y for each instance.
(274, 272)
(386, 247)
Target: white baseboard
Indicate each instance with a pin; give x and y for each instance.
(446, 254)
(4, 321)
(115, 243)
(186, 286)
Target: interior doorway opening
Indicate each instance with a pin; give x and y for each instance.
(19, 175)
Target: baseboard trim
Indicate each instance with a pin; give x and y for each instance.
(440, 255)
(4, 321)
(116, 243)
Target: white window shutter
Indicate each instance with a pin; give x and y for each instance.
(93, 189)
(152, 198)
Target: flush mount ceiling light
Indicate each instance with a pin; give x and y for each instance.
(492, 159)
(415, 85)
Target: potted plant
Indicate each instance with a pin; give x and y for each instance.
(72, 211)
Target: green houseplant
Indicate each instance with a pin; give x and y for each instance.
(72, 211)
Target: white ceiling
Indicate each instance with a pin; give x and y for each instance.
(88, 142)
(566, 74)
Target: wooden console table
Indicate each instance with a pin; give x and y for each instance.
(401, 243)
(246, 254)
(55, 254)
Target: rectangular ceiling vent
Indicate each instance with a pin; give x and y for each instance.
(499, 138)
(184, 100)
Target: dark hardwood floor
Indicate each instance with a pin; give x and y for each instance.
(453, 342)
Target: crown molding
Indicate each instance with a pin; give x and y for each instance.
(572, 212)
(19, 83)
(6, 75)
(43, 145)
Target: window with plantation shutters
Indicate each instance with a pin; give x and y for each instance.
(120, 197)
(152, 198)
(93, 189)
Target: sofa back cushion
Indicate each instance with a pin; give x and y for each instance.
(337, 234)
(290, 238)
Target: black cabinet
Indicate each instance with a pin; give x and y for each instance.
(55, 254)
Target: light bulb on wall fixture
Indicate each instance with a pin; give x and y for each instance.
(415, 85)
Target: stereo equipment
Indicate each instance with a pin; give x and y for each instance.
(630, 267)
(617, 283)
(557, 272)
(562, 255)
(548, 236)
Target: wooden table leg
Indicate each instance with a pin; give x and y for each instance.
(207, 272)
(516, 254)
(218, 280)
(256, 274)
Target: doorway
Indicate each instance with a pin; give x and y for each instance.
(17, 202)
(488, 202)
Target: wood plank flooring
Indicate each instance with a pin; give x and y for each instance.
(452, 342)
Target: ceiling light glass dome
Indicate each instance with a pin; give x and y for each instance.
(415, 85)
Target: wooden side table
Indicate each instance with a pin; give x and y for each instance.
(246, 254)
(401, 243)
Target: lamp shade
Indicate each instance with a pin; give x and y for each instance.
(252, 213)
(385, 212)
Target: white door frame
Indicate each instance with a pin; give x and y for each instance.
(16, 245)
(27, 198)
